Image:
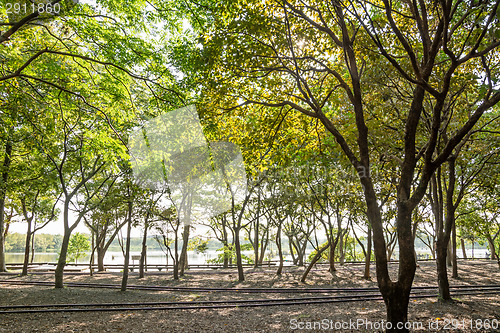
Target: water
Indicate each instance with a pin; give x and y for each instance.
(39, 257)
(116, 258)
(159, 258)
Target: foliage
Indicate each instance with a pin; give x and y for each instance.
(230, 254)
(79, 244)
(198, 244)
(15, 243)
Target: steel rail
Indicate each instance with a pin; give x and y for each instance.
(55, 305)
(241, 290)
(221, 304)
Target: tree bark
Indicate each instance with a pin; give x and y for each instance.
(314, 260)
(280, 250)
(92, 253)
(27, 249)
(142, 261)
(491, 244)
(366, 274)
(256, 246)
(454, 252)
(449, 256)
(100, 259)
(239, 261)
(331, 259)
(341, 248)
(127, 247)
(464, 252)
(61, 262)
(443, 284)
(225, 241)
(3, 194)
(183, 262)
(32, 248)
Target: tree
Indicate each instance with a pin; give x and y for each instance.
(78, 245)
(318, 59)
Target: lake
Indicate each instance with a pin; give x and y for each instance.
(159, 258)
(117, 258)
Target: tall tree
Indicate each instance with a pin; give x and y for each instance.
(317, 58)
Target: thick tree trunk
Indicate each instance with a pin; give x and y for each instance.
(61, 262)
(183, 262)
(331, 259)
(396, 302)
(443, 284)
(491, 245)
(100, 259)
(239, 261)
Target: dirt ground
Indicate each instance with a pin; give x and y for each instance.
(426, 315)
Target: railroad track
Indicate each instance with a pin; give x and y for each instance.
(197, 305)
(343, 295)
(240, 290)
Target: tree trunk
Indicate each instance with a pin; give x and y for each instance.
(256, 245)
(142, 261)
(92, 253)
(263, 246)
(225, 242)
(292, 252)
(176, 253)
(396, 302)
(389, 253)
(280, 250)
(27, 249)
(32, 248)
(449, 255)
(61, 262)
(396, 294)
(3, 194)
(183, 262)
(127, 247)
(491, 244)
(314, 260)
(341, 248)
(441, 262)
(366, 275)
(454, 251)
(100, 259)
(301, 252)
(239, 262)
(29, 233)
(464, 252)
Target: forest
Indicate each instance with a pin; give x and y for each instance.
(334, 126)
